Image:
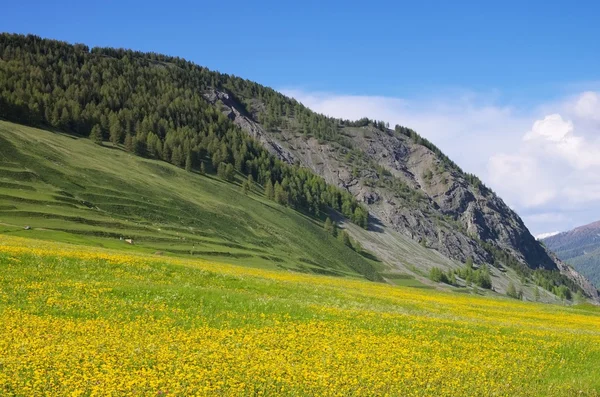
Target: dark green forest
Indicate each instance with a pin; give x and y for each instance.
(152, 105)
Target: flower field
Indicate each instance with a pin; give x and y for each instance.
(83, 321)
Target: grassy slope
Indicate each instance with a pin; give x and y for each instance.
(69, 189)
(91, 320)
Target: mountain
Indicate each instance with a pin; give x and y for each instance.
(579, 247)
(397, 195)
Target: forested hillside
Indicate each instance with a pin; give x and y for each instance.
(153, 105)
(165, 108)
(579, 247)
(58, 187)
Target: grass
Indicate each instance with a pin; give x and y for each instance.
(68, 189)
(228, 294)
(80, 320)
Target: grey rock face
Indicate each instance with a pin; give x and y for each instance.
(418, 195)
(586, 285)
(231, 109)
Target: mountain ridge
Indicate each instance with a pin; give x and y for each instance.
(579, 247)
(457, 198)
(471, 208)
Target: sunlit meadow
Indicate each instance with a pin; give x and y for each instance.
(82, 321)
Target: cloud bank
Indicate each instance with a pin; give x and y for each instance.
(543, 160)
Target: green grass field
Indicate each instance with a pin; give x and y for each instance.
(68, 189)
(85, 321)
(230, 294)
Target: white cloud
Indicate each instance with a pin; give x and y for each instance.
(552, 128)
(557, 138)
(544, 159)
(587, 106)
(524, 174)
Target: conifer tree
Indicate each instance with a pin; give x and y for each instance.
(176, 156)
(188, 162)
(245, 187)
(249, 182)
(96, 135)
(115, 129)
(269, 193)
(344, 237)
(129, 143)
(229, 172)
(328, 226)
(221, 170)
(469, 263)
(280, 194)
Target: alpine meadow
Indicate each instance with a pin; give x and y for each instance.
(169, 230)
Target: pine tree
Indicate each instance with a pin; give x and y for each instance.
(129, 143)
(96, 135)
(65, 117)
(139, 146)
(344, 237)
(221, 170)
(511, 291)
(188, 162)
(280, 194)
(269, 193)
(229, 172)
(361, 217)
(536, 294)
(245, 187)
(347, 209)
(249, 182)
(469, 263)
(166, 153)
(55, 117)
(177, 157)
(115, 129)
(452, 279)
(328, 226)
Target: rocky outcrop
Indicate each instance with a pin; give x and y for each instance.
(233, 111)
(417, 194)
(580, 280)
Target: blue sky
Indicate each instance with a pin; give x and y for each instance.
(510, 89)
(369, 47)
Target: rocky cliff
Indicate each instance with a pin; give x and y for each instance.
(408, 188)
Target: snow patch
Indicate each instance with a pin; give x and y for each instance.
(546, 235)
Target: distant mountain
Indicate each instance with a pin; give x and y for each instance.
(579, 247)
